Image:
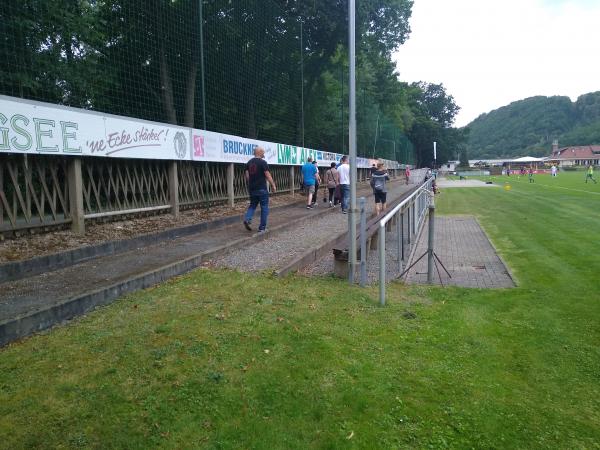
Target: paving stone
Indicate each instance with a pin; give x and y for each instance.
(465, 251)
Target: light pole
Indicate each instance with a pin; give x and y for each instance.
(352, 136)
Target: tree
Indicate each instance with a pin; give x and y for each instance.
(434, 113)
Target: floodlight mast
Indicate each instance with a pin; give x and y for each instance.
(352, 138)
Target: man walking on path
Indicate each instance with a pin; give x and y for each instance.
(407, 174)
(590, 174)
(378, 179)
(257, 175)
(344, 173)
(309, 176)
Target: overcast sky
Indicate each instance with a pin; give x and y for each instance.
(488, 53)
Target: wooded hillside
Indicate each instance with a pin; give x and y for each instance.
(529, 126)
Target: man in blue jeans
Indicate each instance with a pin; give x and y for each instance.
(310, 175)
(257, 175)
(344, 172)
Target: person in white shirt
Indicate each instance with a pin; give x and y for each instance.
(344, 173)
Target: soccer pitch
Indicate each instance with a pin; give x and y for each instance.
(219, 359)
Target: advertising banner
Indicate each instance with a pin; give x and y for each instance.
(210, 146)
(42, 128)
(33, 127)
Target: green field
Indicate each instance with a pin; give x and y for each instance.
(217, 359)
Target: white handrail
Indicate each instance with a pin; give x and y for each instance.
(416, 197)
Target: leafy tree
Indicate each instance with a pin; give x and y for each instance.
(266, 61)
(434, 113)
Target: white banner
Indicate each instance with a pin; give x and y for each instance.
(33, 127)
(42, 128)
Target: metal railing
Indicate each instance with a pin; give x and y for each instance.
(411, 211)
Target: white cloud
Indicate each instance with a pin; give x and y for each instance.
(489, 53)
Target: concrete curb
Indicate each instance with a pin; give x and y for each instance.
(66, 309)
(27, 324)
(506, 266)
(30, 267)
(317, 253)
(311, 255)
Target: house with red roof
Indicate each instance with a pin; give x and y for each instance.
(575, 156)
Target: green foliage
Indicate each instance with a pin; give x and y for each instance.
(434, 112)
(265, 62)
(530, 126)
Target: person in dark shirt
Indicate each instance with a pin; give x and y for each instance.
(378, 179)
(257, 176)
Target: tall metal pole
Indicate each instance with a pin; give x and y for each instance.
(352, 135)
(302, 77)
(202, 65)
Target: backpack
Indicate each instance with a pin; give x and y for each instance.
(378, 183)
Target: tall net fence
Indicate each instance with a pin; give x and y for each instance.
(251, 68)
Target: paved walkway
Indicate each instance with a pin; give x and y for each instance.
(466, 252)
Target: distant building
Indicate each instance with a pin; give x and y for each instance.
(486, 162)
(575, 156)
(450, 166)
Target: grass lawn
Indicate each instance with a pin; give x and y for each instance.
(217, 359)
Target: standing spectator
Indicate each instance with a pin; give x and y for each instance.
(257, 175)
(309, 175)
(407, 174)
(344, 173)
(317, 184)
(590, 174)
(378, 179)
(332, 179)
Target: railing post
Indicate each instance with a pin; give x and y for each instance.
(174, 188)
(363, 242)
(382, 265)
(430, 245)
(399, 244)
(230, 189)
(414, 216)
(402, 233)
(75, 182)
(408, 224)
(292, 181)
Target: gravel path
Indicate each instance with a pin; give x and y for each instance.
(29, 245)
(325, 265)
(275, 252)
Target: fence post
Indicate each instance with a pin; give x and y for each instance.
(174, 188)
(292, 181)
(363, 242)
(230, 188)
(382, 266)
(75, 182)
